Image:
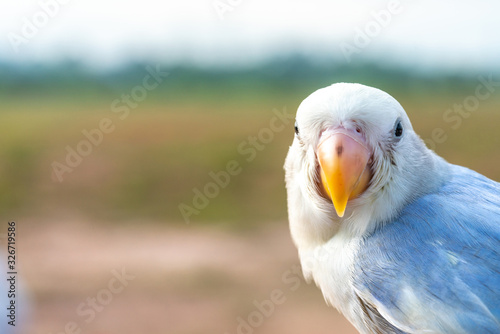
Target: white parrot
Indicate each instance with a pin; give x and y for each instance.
(396, 238)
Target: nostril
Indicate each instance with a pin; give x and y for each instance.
(340, 150)
(358, 129)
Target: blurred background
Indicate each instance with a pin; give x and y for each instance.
(142, 144)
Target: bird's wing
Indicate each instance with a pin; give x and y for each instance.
(436, 266)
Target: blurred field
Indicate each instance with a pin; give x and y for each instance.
(183, 280)
(155, 157)
(120, 206)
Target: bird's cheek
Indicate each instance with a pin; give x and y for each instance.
(343, 159)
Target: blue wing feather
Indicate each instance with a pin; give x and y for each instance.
(445, 247)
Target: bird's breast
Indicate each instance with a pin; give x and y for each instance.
(330, 265)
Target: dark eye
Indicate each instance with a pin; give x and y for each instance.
(398, 129)
(296, 128)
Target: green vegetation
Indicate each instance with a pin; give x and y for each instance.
(193, 124)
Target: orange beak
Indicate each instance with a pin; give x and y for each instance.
(343, 159)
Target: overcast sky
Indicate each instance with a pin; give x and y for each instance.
(448, 34)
